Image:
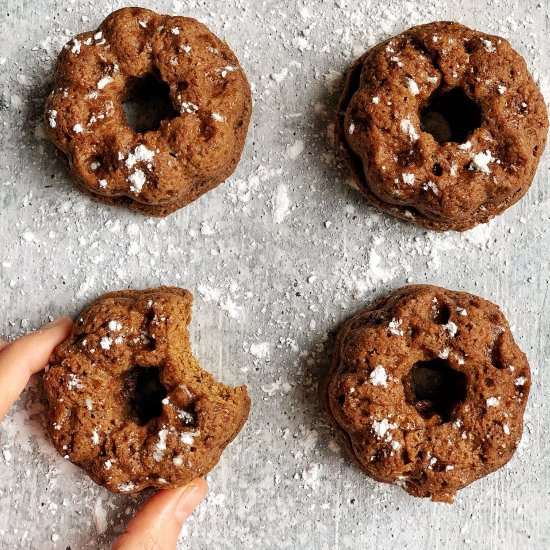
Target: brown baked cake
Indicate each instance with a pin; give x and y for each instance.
(129, 403)
(442, 125)
(427, 389)
(204, 106)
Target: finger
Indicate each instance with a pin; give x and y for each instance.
(22, 358)
(159, 522)
(3, 344)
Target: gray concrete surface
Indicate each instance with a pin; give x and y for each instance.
(277, 258)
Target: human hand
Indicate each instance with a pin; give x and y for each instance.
(25, 357)
(157, 525)
(159, 522)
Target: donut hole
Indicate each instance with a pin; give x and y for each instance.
(144, 392)
(450, 116)
(434, 388)
(147, 103)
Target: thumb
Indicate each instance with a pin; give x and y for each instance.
(158, 524)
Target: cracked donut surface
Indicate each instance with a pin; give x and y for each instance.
(129, 403)
(427, 389)
(199, 142)
(442, 126)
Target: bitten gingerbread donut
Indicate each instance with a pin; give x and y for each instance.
(129, 403)
(428, 389)
(442, 125)
(203, 128)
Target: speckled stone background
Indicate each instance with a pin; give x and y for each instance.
(277, 257)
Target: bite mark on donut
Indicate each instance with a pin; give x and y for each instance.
(129, 403)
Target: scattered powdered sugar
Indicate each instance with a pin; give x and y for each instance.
(431, 186)
(137, 180)
(408, 128)
(408, 178)
(140, 154)
(260, 350)
(393, 327)
(177, 460)
(74, 382)
(451, 328)
(296, 149)
(488, 45)
(103, 82)
(188, 107)
(281, 204)
(106, 342)
(188, 438)
(209, 293)
(76, 44)
(379, 377)
(311, 474)
(278, 386)
(160, 446)
(493, 401)
(383, 427)
(125, 487)
(224, 298)
(100, 517)
(52, 118)
(481, 162)
(413, 86)
(114, 326)
(226, 70)
(186, 416)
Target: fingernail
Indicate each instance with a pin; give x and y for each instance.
(56, 322)
(190, 498)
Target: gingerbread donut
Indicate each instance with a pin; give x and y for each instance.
(204, 119)
(427, 389)
(129, 403)
(442, 125)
